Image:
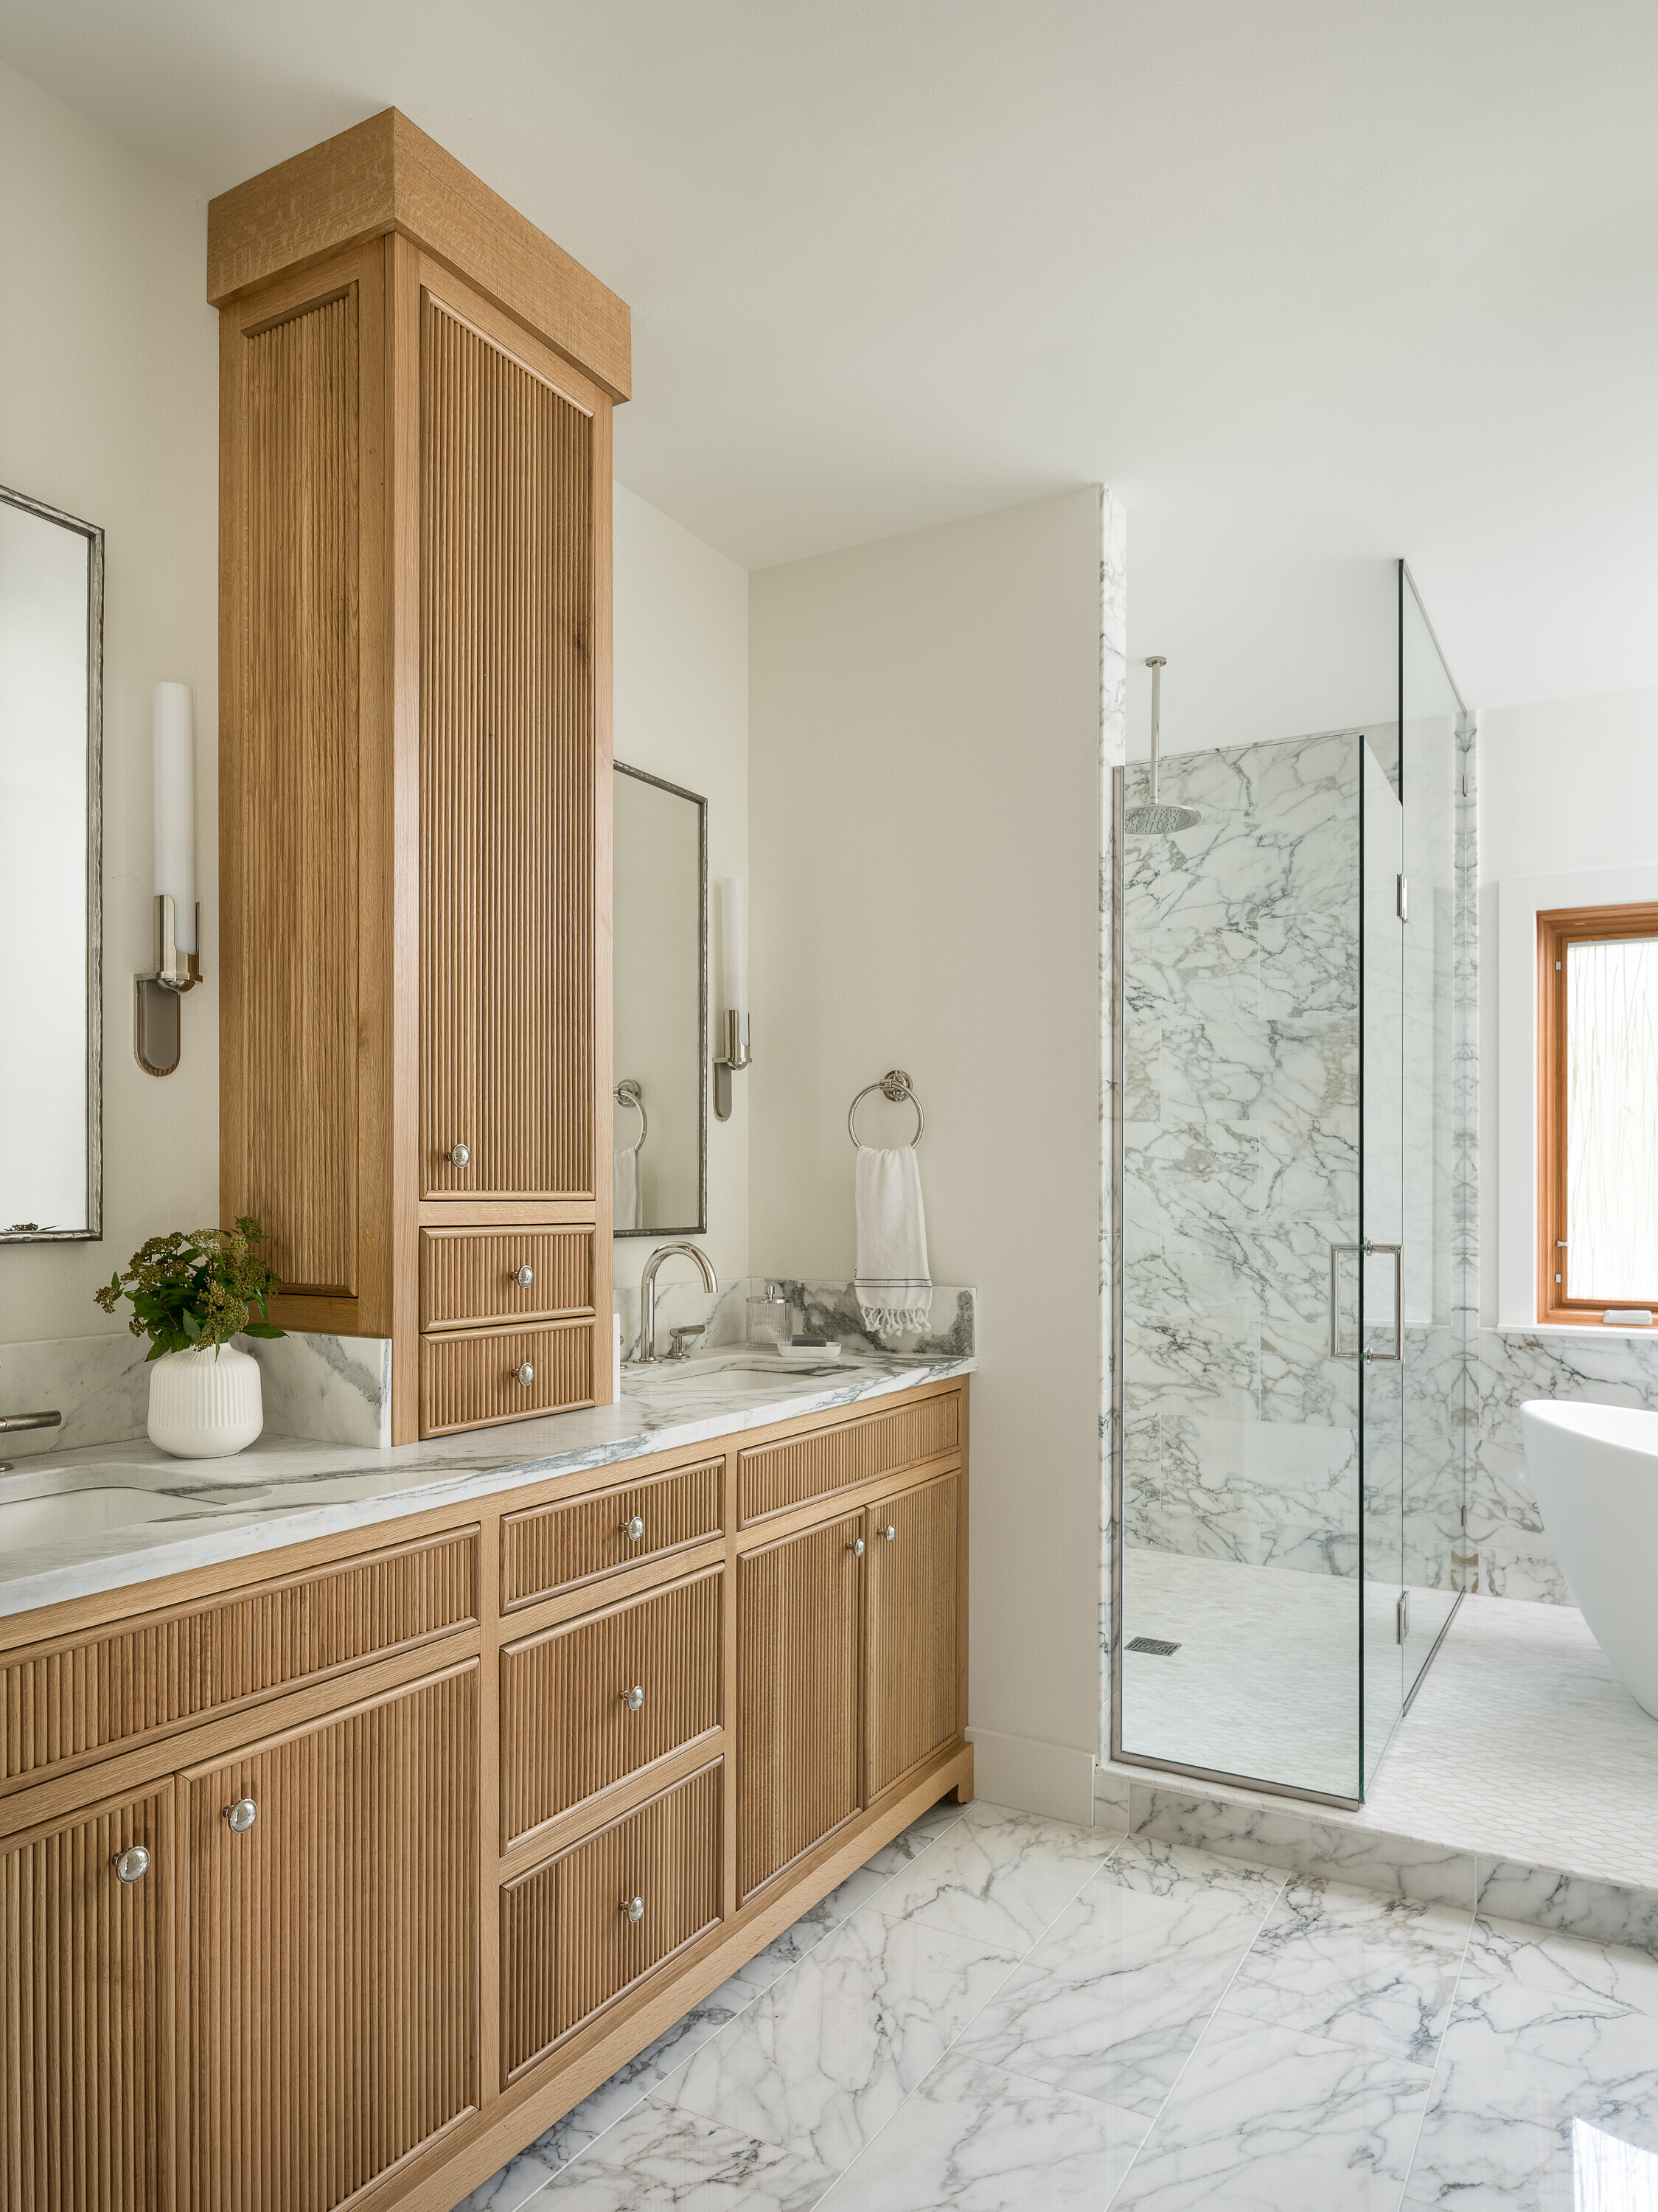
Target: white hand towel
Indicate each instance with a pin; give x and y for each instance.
(626, 1186)
(895, 1289)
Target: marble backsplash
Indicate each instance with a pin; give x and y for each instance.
(331, 1389)
(829, 1309)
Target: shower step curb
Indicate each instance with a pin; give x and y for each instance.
(1318, 1839)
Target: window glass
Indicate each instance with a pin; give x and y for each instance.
(1612, 1118)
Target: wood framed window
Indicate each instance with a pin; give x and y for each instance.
(1597, 1112)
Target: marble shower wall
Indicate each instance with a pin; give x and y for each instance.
(1240, 1157)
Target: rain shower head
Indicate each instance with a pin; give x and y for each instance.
(1156, 821)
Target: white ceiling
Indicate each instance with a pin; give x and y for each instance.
(1300, 278)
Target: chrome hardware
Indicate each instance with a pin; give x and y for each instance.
(894, 1085)
(1397, 1354)
(460, 1156)
(526, 1375)
(634, 1909)
(647, 1292)
(856, 1548)
(29, 1421)
(890, 1533)
(682, 1337)
(131, 1865)
(525, 1276)
(1402, 1618)
(240, 1816)
(633, 1698)
(1366, 1251)
(634, 1530)
(1402, 897)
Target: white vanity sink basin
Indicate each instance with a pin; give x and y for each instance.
(714, 1365)
(62, 1515)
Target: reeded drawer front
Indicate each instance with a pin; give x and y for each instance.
(777, 1476)
(592, 1923)
(63, 1702)
(555, 1547)
(471, 1276)
(473, 1380)
(586, 1704)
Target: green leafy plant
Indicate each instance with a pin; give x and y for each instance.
(196, 1287)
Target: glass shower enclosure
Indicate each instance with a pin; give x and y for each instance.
(1290, 1371)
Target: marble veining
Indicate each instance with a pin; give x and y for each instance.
(282, 1490)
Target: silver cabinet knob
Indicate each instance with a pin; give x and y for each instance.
(890, 1533)
(460, 1156)
(526, 1375)
(634, 1530)
(525, 1276)
(633, 1698)
(240, 1816)
(856, 1548)
(634, 1909)
(132, 1864)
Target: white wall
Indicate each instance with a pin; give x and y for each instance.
(1568, 804)
(682, 712)
(109, 409)
(924, 835)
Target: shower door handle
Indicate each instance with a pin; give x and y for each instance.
(1362, 1252)
(1397, 1354)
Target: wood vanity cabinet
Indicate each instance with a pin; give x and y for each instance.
(415, 389)
(444, 1830)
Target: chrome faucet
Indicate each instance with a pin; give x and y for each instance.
(26, 1421)
(647, 1292)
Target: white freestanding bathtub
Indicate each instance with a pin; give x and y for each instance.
(1595, 1470)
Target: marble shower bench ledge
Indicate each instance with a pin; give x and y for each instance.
(285, 1491)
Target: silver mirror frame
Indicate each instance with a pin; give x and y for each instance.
(93, 1230)
(700, 1226)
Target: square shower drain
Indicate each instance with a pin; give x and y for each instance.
(1155, 1644)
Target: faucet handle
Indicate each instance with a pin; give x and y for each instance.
(682, 1337)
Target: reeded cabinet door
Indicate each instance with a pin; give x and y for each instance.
(798, 1736)
(332, 1950)
(912, 1599)
(86, 2013)
(507, 773)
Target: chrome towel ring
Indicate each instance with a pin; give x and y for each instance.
(894, 1085)
(629, 1092)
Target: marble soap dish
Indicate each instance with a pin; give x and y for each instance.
(808, 1355)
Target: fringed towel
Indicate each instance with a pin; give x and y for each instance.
(894, 1287)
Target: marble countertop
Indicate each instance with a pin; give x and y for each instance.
(284, 1490)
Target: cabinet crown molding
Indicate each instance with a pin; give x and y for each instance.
(384, 175)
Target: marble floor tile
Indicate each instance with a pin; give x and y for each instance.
(915, 1838)
(1565, 1966)
(997, 1877)
(974, 2139)
(826, 2057)
(659, 2161)
(1180, 1874)
(1110, 2004)
(1264, 2119)
(1352, 1966)
(1518, 2066)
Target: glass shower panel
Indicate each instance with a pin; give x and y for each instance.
(1433, 1374)
(1240, 1542)
(1382, 1160)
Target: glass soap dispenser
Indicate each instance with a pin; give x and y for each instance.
(770, 1319)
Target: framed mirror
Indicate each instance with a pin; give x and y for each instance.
(52, 646)
(661, 1013)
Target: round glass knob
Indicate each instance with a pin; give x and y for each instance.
(526, 1375)
(240, 1816)
(634, 1530)
(132, 1864)
(634, 1909)
(460, 1156)
(525, 1276)
(633, 1698)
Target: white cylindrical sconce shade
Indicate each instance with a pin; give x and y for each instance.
(734, 944)
(174, 748)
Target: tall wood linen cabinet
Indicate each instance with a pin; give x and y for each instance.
(415, 389)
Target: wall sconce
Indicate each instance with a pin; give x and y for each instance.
(733, 1031)
(178, 969)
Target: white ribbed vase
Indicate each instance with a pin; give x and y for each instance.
(204, 1405)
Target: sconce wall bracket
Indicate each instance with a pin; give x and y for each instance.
(157, 1039)
(733, 1055)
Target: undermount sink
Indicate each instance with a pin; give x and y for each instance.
(716, 1363)
(61, 1516)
